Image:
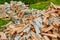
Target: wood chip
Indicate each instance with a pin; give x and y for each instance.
(3, 36)
(46, 38)
(51, 35)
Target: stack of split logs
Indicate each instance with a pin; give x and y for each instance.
(30, 24)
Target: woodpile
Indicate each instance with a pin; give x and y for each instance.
(30, 24)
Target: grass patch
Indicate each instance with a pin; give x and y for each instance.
(41, 5)
(44, 4)
(3, 22)
(57, 2)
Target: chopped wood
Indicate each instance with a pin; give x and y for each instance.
(30, 24)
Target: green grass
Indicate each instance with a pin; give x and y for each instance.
(44, 5)
(3, 22)
(41, 5)
(57, 2)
